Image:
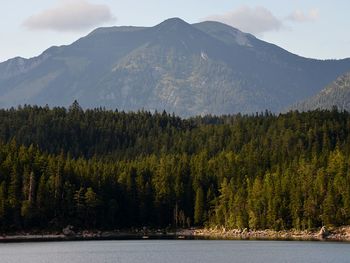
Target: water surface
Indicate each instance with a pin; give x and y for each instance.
(179, 251)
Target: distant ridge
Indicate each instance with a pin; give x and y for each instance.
(337, 94)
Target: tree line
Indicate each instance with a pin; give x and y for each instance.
(109, 169)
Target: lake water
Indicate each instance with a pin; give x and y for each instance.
(179, 251)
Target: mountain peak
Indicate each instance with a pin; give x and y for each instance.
(176, 32)
(174, 21)
(173, 24)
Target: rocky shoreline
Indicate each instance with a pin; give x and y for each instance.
(68, 234)
(330, 234)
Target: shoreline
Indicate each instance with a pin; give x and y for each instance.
(339, 234)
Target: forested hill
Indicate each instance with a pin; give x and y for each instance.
(107, 169)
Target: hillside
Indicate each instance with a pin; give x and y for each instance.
(337, 94)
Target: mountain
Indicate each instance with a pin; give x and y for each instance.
(201, 68)
(336, 94)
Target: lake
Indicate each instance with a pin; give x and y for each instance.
(160, 251)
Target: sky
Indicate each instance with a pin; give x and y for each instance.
(310, 28)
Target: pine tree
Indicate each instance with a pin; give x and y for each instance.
(199, 207)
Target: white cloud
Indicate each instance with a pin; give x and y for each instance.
(259, 20)
(300, 16)
(255, 20)
(70, 15)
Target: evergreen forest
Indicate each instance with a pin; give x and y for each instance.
(104, 169)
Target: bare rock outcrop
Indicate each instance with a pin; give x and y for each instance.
(68, 231)
(324, 232)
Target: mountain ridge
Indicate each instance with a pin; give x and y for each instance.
(189, 69)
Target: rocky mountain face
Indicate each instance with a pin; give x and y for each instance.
(336, 94)
(201, 68)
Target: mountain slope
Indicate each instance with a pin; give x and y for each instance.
(188, 69)
(336, 94)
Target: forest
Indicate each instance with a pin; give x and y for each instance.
(105, 169)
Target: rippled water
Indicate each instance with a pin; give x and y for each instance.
(161, 251)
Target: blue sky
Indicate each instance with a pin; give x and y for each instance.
(317, 29)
